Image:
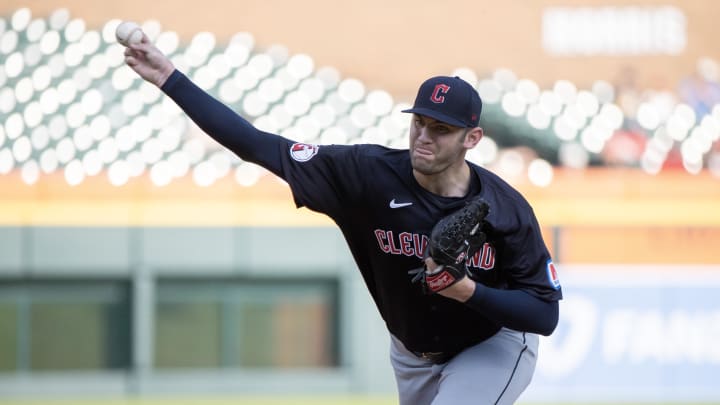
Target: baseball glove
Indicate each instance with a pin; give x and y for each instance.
(453, 240)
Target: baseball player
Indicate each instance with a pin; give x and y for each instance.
(465, 337)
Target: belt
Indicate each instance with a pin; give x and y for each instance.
(436, 357)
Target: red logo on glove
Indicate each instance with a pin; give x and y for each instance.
(439, 281)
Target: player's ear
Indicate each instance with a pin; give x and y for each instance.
(472, 137)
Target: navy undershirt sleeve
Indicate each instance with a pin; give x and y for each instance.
(225, 125)
(515, 309)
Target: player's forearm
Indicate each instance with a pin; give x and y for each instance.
(223, 124)
(515, 309)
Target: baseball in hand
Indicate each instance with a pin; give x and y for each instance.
(128, 32)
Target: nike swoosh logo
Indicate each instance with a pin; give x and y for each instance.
(394, 204)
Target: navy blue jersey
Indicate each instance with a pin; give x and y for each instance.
(386, 216)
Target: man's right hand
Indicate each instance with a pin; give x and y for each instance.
(149, 62)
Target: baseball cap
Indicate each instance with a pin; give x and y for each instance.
(451, 100)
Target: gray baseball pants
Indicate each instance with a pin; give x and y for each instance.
(495, 371)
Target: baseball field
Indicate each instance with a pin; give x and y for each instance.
(262, 400)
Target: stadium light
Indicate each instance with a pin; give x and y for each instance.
(48, 161)
(351, 90)
(40, 137)
(379, 102)
(537, 117)
(323, 114)
(266, 123)
(204, 174)
(35, 29)
(92, 163)
(308, 126)
(74, 30)
(278, 53)
(82, 139)
(246, 78)
(466, 74)
(254, 105)
(510, 164)
(313, 87)
(49, 101)
(74, 173)
(152, 28)
(244, 39)
(67, 90)
(179, 164)
(229, 92)
(57, 66)
(59, 18)
(261, 64)
(565, 90)
(219, 65)
(281, 116)
(75, 116)
(7, 163)
(33, 114)
(592, 139)
(90, 42)
(550, 102)
(513, 104)
(14, 126)
(604, 91)
(108, 150)
(374, 135)
(118, 173)
(573, 155)
(135, 163)
(297, 103)
(194, 150)
(300, 66)
(540, 172)
(161, 173)
(648, 116)
(30, 172)
(288, 81)
(151, 151)
(247, 174)
(713, 163)
(41, 78)
(14, 65)
(528, 90)
(91, 102)
(236, 54)
(490, 91)
(58, 127)
(97, 66)
(49, 42)
(65, 150)
(506, 78)
(361, 117)
(334, 135)
(271, 90)
(587, 103)
(20, 19)
(485, 152)
(82, 78)
(329, 76)
(21, 149)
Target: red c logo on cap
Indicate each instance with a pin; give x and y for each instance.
(439, 92)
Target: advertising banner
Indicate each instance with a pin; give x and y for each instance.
(633, 333)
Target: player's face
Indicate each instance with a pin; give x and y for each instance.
(435, 145)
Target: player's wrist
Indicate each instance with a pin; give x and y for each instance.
(461, 291)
